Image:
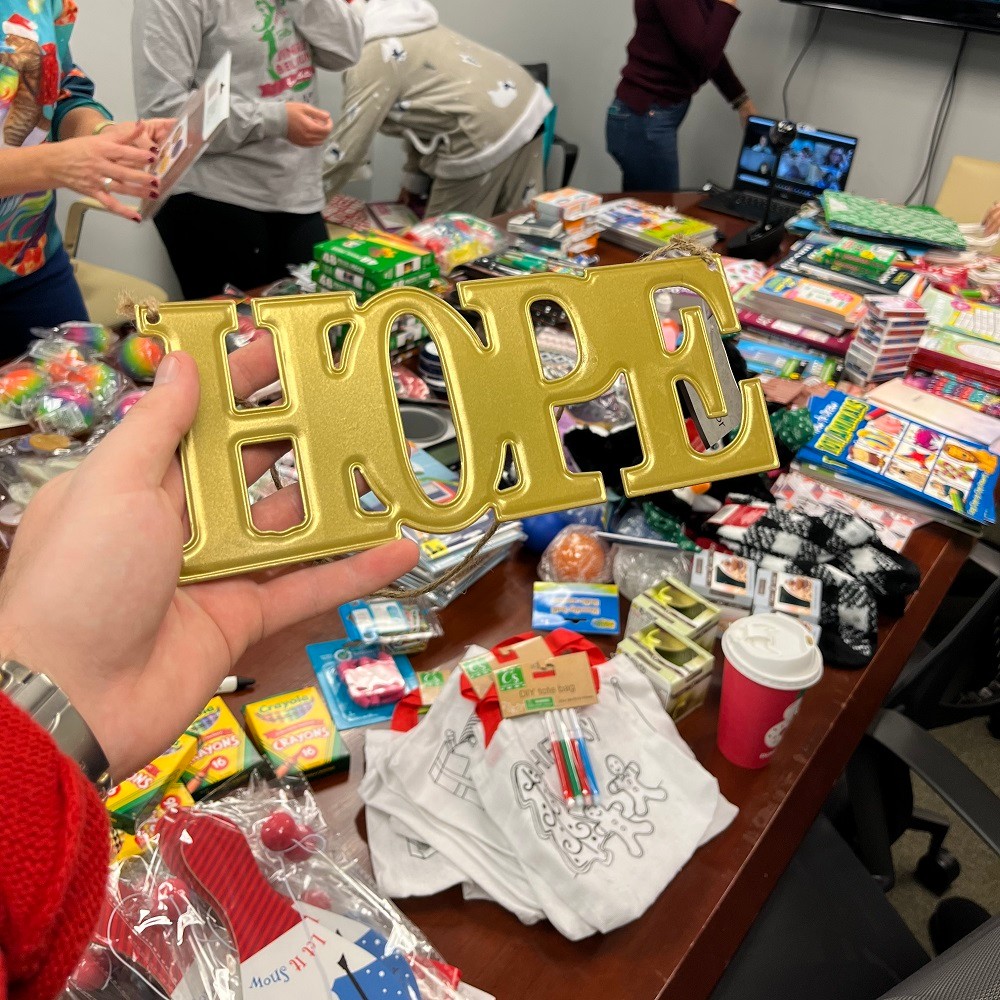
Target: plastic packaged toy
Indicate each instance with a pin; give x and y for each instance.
(139, 357)
(455, 239)
(576, 555)
(372, 680)
(20, 384)
(399, 626)
(94, 337)
(100, 380)
(125, 402)
(266, 868)
(361, 682)
(64, 409)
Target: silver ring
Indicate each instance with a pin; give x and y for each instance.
(106, 184)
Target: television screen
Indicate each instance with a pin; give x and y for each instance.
(972, 15)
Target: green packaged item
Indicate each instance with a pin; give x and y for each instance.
(381, 259)
(336, 279)
(868, 259)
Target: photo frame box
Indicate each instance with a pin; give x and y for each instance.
(725, 579)
(679, 669)
(788, 593)
(701, 627)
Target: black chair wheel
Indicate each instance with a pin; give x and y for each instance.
(936, 870)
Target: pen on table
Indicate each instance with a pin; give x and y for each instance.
(234, 683)
(586, 791)
(576, 729)
(651, 543)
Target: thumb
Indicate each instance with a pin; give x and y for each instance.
(144, 443)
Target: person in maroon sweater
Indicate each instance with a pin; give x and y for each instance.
(677, 46)
(90, 598)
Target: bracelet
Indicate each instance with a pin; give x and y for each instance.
(740, 101)
(101, 126)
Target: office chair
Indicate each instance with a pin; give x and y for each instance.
(102, 287)
(569, 151)
(872, 805)
(828, 932)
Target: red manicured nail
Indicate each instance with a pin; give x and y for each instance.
(154, 196)
(152, 159)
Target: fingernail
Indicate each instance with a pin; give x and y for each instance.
(154, 196)
(137, 218)
(154, 149)
(152, 159)
(168, 370)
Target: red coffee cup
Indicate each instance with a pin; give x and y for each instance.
(769, 662)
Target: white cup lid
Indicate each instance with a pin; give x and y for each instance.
(773, 650)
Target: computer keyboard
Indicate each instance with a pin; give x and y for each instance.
(746, 205)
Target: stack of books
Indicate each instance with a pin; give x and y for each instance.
(562, 222)
(813, 304)
(886, 339)
(639, 226)
(440, 554)
(769, 356)
(887, 457)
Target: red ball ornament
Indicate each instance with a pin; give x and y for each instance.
(279, 831)
(318, 898)
(94, 970)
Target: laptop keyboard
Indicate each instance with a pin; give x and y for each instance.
(749, 206)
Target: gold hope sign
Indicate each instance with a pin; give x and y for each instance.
(343, 417)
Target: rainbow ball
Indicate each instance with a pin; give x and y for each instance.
(94, 336)
(64, 409)
(19, 386)
(126, 402)
(139, 357)
(100, 380)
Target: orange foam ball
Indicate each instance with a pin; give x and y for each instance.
(578, 557)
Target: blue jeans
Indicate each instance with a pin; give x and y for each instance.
(645, 146)
(47, 297)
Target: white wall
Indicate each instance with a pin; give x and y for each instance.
(879, 80)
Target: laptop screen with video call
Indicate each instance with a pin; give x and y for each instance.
(816, 161)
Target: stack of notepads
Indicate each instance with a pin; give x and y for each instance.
(441, 554)
(886, 339)
(814, 304)
(563, 222)
(639, 226)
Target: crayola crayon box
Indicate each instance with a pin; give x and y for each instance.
(136, 797)
(295, 731)
(224, 752)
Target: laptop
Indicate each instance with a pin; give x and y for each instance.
(816, 161)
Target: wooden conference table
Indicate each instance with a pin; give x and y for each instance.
(680, 947)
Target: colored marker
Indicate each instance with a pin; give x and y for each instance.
(586, 793)
(581, 743)
(560, 758)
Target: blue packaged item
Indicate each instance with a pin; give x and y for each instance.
(361, 682)
(588, 608)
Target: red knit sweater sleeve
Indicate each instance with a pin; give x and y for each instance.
(54, 845)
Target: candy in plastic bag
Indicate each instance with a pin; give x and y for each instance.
(576, 555)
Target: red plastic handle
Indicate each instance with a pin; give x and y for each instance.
(218, 858)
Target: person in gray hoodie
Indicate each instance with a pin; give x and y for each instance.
(471, 117)
(250, 206)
